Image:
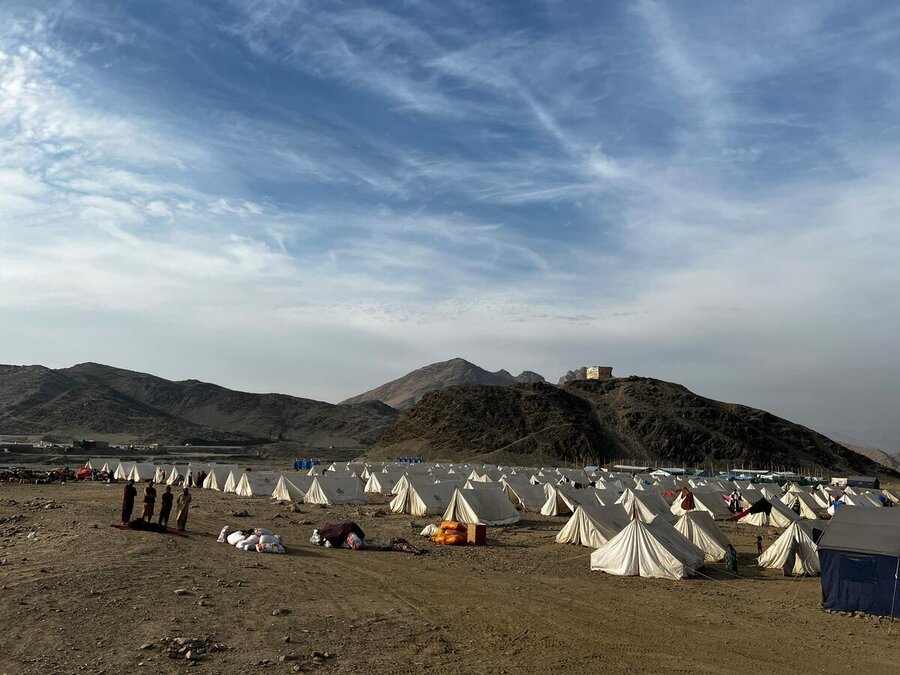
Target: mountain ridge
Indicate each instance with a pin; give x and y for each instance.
(405, 391)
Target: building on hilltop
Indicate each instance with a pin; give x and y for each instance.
(599, 373)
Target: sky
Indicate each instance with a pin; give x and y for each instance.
(317, 197)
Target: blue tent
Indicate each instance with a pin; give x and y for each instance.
(860, 559)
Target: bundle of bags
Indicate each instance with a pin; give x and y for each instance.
(450, 533)
(257, 539)
(340, 535)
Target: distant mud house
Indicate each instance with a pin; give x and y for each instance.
(599, 372)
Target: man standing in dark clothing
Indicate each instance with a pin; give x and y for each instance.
(128, 501)
(165, 506)
(149, 502)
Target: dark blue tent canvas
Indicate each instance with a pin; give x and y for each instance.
(859, 555)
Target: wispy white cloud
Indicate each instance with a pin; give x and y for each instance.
(370, 187)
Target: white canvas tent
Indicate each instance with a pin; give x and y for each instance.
(711, 502)
(175, 474)
(795, 551)
(142, 471)
(123, 470)
(648, 549)
(232, 479)
(105, 464)
(802, 502)
(645, 505)
(335, 488)
(562, 500)
(380, 483)
(593, 525)
(257, 484)
(778, 516)
(419, 496)
(292, 488)
(161, 475)
(525, 495)
(490, 507)
(217, 476)
(699, 528)
(192, 471)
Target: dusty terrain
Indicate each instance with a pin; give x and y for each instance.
(81, 596)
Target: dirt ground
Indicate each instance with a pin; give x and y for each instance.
(83, 597)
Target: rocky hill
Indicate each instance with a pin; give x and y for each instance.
(640, 418)
(876, 455)
(96, 400)
(406, 391)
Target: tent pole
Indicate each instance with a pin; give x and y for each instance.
(894, 598)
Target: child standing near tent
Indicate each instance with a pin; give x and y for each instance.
(731, 559)
(758, 545)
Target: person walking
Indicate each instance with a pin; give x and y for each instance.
(149, 501)
(165, 506)
(128, 495)
(184, 505)
(731, 559)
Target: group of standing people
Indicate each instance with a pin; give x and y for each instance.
(165, 509)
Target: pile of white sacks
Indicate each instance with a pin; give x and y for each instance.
(257, 539)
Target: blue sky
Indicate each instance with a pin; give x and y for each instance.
(315, 197)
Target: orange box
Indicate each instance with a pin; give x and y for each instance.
(477, 534)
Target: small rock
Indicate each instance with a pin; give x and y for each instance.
(189, 656)
(146, 645)
(181, 591)
(287, 638)
(280, 611)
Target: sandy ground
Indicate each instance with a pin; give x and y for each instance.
(81, 596)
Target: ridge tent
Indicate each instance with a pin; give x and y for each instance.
(490, 507)
(161, 475)
(699, 528)
(764, 513)
(645, 505)
(803, 504)
(380, 483)
(479, 485)
(232, 479)
(217, 476)
(335, 488)
(192, 471)
(104, 464)
(562, 500)
(142, 471)
(292, 489)
(257, 484)
(771, 492)
(648, 549)
(859, 555)
(593, 525)
(418, 496)
(123, 470)
(176, 474)
(525, 495)
(713, 503)
(795, 550)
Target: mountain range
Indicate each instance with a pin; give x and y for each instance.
(453, 410)
(97, 401)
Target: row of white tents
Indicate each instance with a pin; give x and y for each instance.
(647, 525)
